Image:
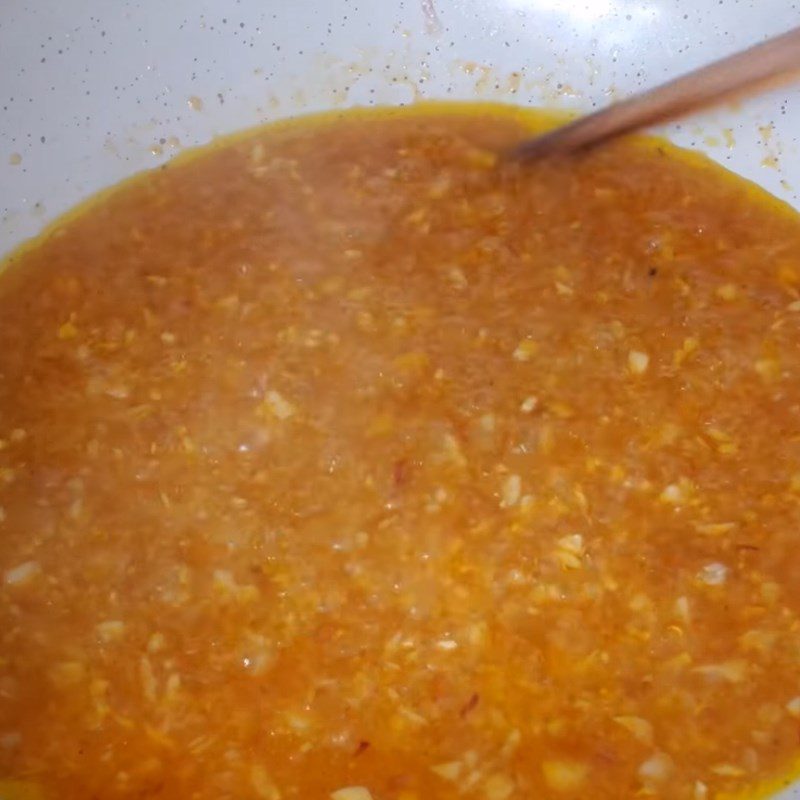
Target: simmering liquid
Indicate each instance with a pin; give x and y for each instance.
(344, 460)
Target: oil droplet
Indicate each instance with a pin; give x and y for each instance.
(14, 159)
(195, 103)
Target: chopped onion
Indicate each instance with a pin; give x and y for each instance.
(23, 573)
(352, 793)
(564, 775)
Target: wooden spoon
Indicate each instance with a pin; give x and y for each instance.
(732, 75)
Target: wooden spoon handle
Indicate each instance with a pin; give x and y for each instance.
(743, 70)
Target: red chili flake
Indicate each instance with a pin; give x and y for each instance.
(362, 746)
(400, 472)
(469, 705)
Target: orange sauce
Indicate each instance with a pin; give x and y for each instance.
(343, 460)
